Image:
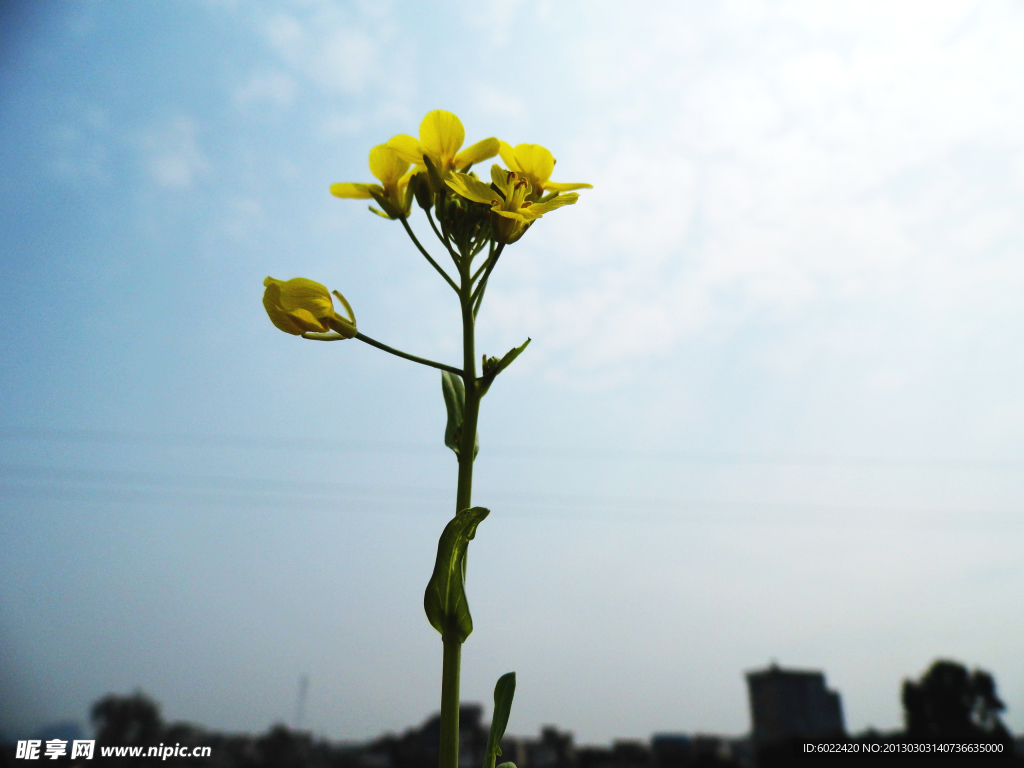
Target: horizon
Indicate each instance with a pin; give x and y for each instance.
(302, 688)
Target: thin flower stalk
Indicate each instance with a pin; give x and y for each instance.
(468, 217)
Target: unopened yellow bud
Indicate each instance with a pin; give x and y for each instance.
(299, 306)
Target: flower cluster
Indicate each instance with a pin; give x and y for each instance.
(436, 171)
(520, 193)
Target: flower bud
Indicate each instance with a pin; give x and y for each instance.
(436, 182)
(421, 188)
(299, 306)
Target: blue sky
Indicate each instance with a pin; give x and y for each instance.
(772, 408)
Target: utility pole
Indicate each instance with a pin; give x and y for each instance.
(300, 706)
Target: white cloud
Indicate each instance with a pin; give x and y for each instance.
(244, 217)
(172, 156)
(499, 102)
(345, 49)
(803, 158)
(753, 162)
(268, 87)
(335, 125)
(333, 54)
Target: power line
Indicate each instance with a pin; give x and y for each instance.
(199, 493)
(257, 442)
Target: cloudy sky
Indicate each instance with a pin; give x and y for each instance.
(773, 408)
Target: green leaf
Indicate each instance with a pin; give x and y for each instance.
(503, 693)
(492, 366)
(454, 391)
(445, 599)
(511, 355)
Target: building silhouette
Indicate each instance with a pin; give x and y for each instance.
(786, 704)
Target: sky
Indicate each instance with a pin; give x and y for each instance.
(772, 409)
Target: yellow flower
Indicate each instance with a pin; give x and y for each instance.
(299, 306)
(535, 164)
(390, 168)
(441, 137)
(507, 197)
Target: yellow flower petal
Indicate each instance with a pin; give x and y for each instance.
(500, 177)
(508, 155)
(476, 153)
(408, 148)
(304, 319)
(472, 189)
(350, 190)
(530, 212)
(298, 305)
(301, 293)
(557, 186)
(442, 134)
(523, 214)
(387, 165)
(402, 182)
(541, 208)
(536, 162)
(283, 320)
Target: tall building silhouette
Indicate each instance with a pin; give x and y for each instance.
(786, 704)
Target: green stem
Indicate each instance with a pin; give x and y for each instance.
(471, 411)
(477, 301)
(440, 237)
(449, 757)
(481, 287)
(491, 263)
(490, 255)
(407, 356)
(426, 255)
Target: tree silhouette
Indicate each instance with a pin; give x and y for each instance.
(127, 721)
(951, 704)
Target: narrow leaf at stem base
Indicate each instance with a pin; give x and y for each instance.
(503, 693)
